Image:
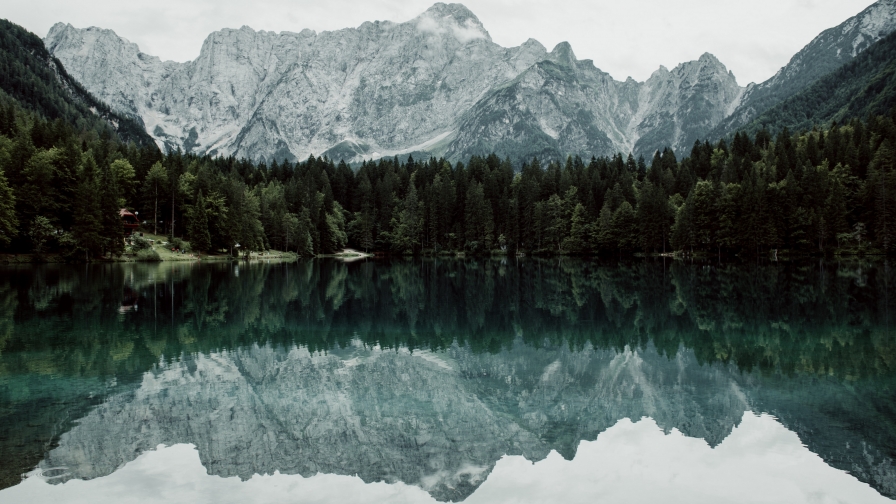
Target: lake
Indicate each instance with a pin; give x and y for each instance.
(424, 380)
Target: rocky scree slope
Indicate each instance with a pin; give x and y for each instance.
(436, 84)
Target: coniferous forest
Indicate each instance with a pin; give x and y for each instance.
(68, 165)
(814, 192)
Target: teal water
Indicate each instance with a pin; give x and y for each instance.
(418, 380)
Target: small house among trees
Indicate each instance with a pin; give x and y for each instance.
(129, 221)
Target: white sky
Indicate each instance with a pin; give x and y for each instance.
(623, 37)
(761, 461)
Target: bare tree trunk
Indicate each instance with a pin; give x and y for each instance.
(155, 222)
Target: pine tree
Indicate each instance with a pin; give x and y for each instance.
(625, 227)
(604, 238)
(335, 238)
(87, 227)
(577, 241)
(654, 216)
(9, 223)
(407, 226)
(477, 219)
(155, 182)
(882, 182)
(200, 240)
(110, 208)
(124, 176)
(706, 214)
(683, 231)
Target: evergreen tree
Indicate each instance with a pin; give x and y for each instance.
(304, 245)
(654, 216)
(246, 231)
(684, 233)
(125, 177)
(604, 238)
(110, 208)
(155, 182)
(407, 228)
(88, 218)
(478, 219)
(577, 241)
(9, 223)
(335, 237)
(882, 181)
(625, 227)
(706, 216)
(200, 240)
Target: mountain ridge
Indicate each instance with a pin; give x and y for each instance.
(823, 55)
(34, 79)
(377, 90)
(436, 85)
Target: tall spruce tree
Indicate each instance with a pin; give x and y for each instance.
(153, 186)
(200, 240)
(9, 223)
(87, 227)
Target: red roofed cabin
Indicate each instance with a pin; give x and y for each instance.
(129, 221)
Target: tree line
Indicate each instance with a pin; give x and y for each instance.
(824, 323)
(38, 81)
(817, 191)
(814, 318)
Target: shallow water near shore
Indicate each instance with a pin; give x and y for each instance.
(420, 380)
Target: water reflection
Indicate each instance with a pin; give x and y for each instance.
(428, 372)
(630, 462)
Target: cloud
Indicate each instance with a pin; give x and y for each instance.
(470, 30)
(631, 38)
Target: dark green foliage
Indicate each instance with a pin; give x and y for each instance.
(807, 193)
(200, 239)
(88, 218)
(752, 197)
(37, 81)
(8, 220)
(864, 87)
(782, 325)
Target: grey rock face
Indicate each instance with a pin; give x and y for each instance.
(438, 421)
(435, 84)
(828, 51)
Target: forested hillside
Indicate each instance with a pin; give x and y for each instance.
(808, 193)
(864, 87)
(38, 81)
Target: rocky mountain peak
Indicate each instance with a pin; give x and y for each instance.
(435, 84)
(710, 59)
(458, 11)
(563, 54)
(660, 73)
(454, 19)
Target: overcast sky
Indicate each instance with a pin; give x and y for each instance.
(625, 38)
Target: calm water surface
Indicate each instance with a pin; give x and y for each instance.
(442, 380)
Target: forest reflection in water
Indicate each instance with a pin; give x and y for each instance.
(538, 356)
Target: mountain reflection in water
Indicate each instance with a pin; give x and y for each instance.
(437, 373)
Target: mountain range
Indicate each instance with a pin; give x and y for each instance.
(436, 84)
(440, 421)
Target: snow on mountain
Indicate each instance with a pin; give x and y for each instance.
(388, 88)
(436, 84)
